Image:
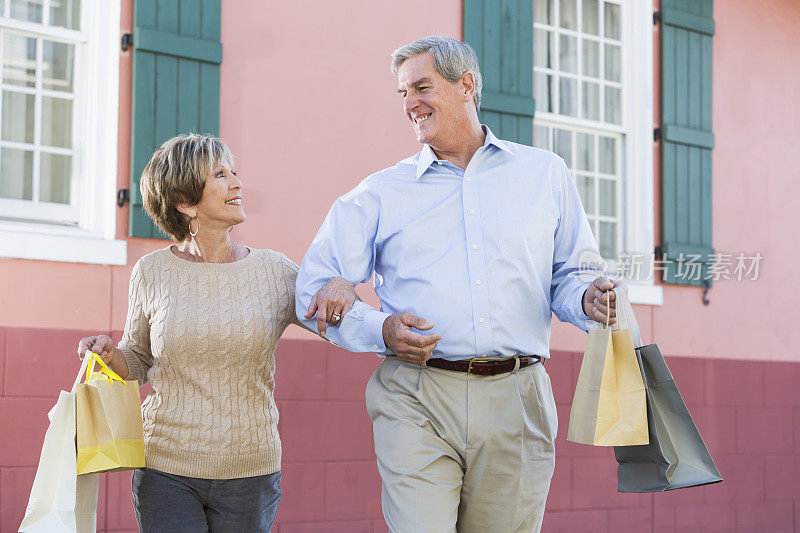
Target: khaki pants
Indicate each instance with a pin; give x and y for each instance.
(459, 452)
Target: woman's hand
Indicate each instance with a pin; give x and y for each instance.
(331, 303)
(103, 346)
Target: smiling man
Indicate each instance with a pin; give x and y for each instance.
(473, 242)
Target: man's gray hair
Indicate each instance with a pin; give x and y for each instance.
(451, 59)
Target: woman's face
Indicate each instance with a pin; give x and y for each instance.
(221, 204)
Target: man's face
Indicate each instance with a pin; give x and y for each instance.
(435, 107)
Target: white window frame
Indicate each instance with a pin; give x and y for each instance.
(638, 225)
(95, 131)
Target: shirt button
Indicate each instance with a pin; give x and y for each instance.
(439, 163)
(477, 282)
(374, 346)
(468, 180)
(471, 211)
(482, 320)
(474, 246)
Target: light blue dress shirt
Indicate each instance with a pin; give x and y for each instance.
(484, 253)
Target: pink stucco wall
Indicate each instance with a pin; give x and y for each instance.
(755, 190)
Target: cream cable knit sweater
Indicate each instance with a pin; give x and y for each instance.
(204, 334)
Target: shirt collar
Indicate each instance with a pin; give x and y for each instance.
(427, 157)
(491, 139)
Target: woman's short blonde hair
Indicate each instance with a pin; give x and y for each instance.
(176, 174)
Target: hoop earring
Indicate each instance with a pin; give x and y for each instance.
(190, 226)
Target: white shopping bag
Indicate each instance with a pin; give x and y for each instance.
(61, 501)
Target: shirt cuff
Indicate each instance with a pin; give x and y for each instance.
(583, 321)
(373, 329)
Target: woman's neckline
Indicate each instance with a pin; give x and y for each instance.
(209, 264)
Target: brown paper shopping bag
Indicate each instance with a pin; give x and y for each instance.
(109, 422)
(610, 403)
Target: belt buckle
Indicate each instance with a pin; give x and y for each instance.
(478, 361)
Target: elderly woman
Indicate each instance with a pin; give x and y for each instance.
(204, 317)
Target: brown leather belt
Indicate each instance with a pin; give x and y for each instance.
(482, 367)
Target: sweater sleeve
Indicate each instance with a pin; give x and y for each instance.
(290, 270)
(135, 343)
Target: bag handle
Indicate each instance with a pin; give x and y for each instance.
(625, 317)
(104, 373)
(84, 364)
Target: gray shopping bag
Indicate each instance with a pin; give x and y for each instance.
(676, 456)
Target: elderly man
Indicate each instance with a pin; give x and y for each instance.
(473, 241)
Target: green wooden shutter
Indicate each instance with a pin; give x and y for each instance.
(176, 58)
(502, 35)
(686, 136)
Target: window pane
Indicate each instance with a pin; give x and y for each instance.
(612, 21)
(613, 111)
(54, 178)
(585, 185)
(568, 15)
(56, 122)
(567, 97)
(541, 137)
(591, 58)
(585, 151)
(544, 49)
(19, 60)
(608, 157)
(590, 17)
(17, 124)
(65, 13)
(16, 174)
(543, 11)
(57, 66)
(608, 240)
(612, 62)
(568, 54)
(590, 105)
(27, 10)
(608, 197)
(563, 145)
(544, 92)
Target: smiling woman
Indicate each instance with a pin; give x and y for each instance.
(204, 318)
(190, 177)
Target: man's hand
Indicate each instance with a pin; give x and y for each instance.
(406, 344)
(331, 303)
(600, 305)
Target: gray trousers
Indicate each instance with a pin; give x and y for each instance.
(459, 452)
(169, 503)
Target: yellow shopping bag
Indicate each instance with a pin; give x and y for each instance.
(610, 403)
(109, 421)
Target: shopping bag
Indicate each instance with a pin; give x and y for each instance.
(609, 406)
(60, 501)
(676, 456)
(109, 421)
